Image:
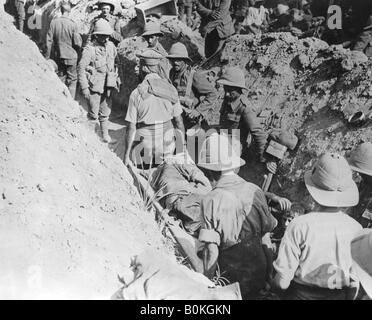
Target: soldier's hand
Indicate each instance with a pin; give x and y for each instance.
(216, 15)
(283, 203)
(272, 167)
(86, 93)
(194, 114)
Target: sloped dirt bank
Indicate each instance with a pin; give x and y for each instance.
(71, 218)
(307, 87)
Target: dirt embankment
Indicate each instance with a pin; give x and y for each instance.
(307, 87)
(70, 216)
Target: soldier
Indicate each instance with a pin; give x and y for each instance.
(154, 111)
(65, 41)
(361, 162)
(197, 95)
(98, 76)
(216, 25)
(314, 260)
(20, 13)
(237, 113)
(107, 8)
(151, 35)
(236, 220)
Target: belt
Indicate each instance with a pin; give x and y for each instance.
(142, 125)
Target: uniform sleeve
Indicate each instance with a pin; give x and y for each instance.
(255, 128)
(210, 231)
(78, 42)
(132, 114)
(268, 222)
(203, 88)
(289, 254)
(49, 39)
(82, 66)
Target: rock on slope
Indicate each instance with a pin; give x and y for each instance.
(307, 87)
(70, 219)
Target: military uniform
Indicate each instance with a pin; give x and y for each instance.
(363, 211)
(216, 31)
(195, 90)
(63, 41)
(114, 22)
(152, 107)
(96, 67)
(236, 218)
(20, 13)
(177, 186)
(240, 115)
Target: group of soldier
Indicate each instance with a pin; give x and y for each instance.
(230, 216)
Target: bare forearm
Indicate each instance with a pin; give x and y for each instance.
(129, 138)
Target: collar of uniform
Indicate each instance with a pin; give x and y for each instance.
(152, 76)
(228, 181)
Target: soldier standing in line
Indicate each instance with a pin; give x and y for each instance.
(98, 76)
(63, 44)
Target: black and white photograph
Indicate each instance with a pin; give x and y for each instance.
(203, 152)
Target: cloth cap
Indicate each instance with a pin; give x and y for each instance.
(219, 154)
(330, 182)
(233, 77)
(102, 27)
(361, 159)
(152, 28)
(361, 252)
(178, 51)
(150, 57)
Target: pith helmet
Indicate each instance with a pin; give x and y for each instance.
(150, 57)
(233, 77)
(107, 2)
(178, 51)
(331, 183)
(219, 154)
(152, 28)
(361, 159)
(102, 27)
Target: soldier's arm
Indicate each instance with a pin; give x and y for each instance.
(203, 88)
(203, 11)
(257, 132)
(82, 66)
(49, 40)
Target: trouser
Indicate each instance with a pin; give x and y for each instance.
(21, 14)
(99, 106)
(213, 43)
(245, 263)
(298, 291)
(152, 144)
(67, 72)
(187, 209)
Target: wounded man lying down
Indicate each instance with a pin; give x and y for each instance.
(180, 186)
